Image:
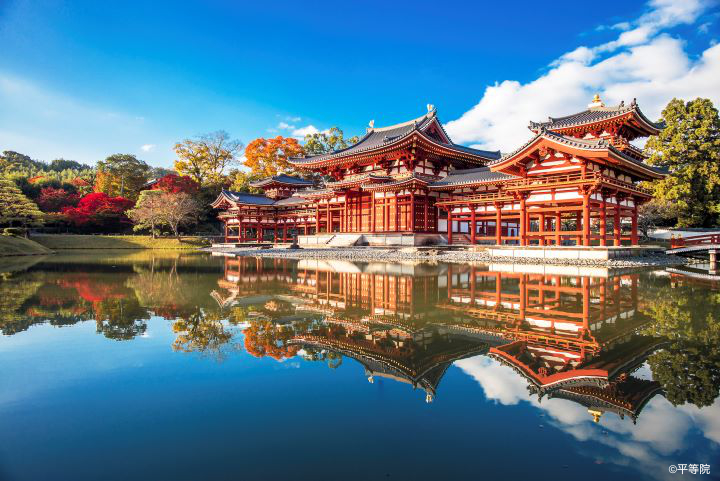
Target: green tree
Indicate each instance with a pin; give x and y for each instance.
(122, 175)
(328, 141)
(148, 213)
(13, 161)
(205, 158)
(15, 208)
(689, 146)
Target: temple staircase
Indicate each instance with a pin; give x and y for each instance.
(461, 239)
(344, 240)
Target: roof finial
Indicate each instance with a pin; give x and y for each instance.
(430, 107)
(596, 102)
(372, 124)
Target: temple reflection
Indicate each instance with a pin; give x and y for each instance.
(569, 336)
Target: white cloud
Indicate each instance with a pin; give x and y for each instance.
(657, 438)
(307, 130)
(148, 147)
(642, 62)
(285, 126)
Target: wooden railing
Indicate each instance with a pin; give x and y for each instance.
(677, 242)
(575, 178)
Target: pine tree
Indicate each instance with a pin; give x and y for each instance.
(15, 208)
(689, 147)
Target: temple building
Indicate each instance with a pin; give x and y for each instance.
(575, 182)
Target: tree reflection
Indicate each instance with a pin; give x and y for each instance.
(688, 316)
(202, 331)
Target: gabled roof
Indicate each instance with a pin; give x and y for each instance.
(379, 138)
(597, 114)
(282, 179)
(596, 146)
(243, 198)
(481, 175)
(292, 200)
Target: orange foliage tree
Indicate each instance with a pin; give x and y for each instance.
(268, 157)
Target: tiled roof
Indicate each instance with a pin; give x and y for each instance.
(295, 199)
(245, 198)
(592, 115)
(282, 179)
(590, 144)
(396, 182)
(380, 137)
(471, 176)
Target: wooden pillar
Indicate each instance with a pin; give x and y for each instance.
(578, 227)
(226, 231)
(616, 221)
(473, 224)
(317, 220)
(523, 222)
(634, 228)
(603, 221)
(558, 228)
(498, 223)
(386, 213)
(397, 213)
(372, 212)
(542, 226)
(449, 225)
(327, 219)
(586, 219)
(259, 232)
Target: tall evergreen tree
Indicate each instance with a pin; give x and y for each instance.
(15, 208)
(689, 147)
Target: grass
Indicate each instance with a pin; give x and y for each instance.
(19, 246)
(73, 241)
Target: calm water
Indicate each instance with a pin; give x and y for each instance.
(150, 366)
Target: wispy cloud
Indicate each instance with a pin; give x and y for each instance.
(643, 62)
(148, 147)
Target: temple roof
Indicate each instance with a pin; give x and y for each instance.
(245, 198)
(471, 176)
(378, 138)
(292, 200)
(583, 144)
(596, 114)
(282, 179)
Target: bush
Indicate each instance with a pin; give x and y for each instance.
(15, 231)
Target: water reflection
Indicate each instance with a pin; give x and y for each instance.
(583, 346)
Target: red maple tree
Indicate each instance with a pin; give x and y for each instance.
(100, 211)
(174, 184)
(54, 200)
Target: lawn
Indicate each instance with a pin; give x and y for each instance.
(19, 246)
(72, 241)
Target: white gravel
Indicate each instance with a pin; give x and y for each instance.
(454, 256)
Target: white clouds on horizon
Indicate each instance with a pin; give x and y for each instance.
(641, 62)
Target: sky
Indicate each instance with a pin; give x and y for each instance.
(84, 79)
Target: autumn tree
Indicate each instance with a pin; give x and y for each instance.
(268, 157)
(15, 208)
(204, 159)
(178, 209)
(327, 141)
(100, 211)
(239, 181)
(147, 213)
(689, 147)
(53, 199)
(121, 175)
(176, 183)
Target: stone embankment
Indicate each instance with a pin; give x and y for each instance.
(375, 254)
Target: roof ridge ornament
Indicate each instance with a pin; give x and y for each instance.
(596, 102)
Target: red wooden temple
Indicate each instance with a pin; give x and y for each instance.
(575, 182)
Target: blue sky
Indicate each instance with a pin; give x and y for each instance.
(85, 79)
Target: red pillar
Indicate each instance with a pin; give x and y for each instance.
(473, 224)
(411, 224)
(372, 212)
(498, 223)
(616, 221)
(603, 221)
(426, 207)
(634, 228)
(523, 222)
(449, 225)
(586, 219)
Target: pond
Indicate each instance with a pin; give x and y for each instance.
(153, 365)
